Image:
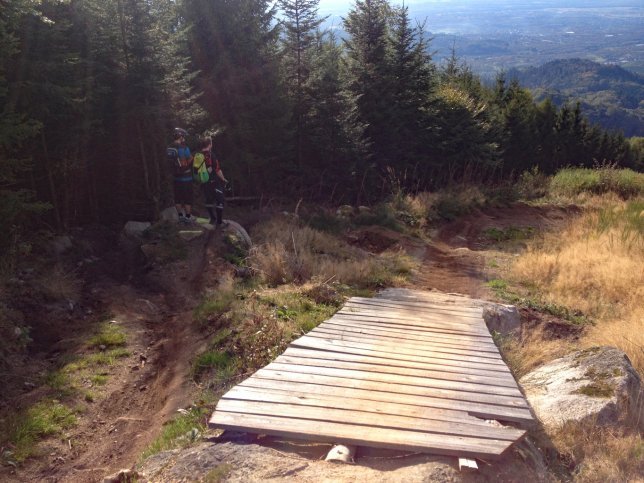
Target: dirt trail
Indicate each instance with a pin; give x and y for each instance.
(454, 261)
(147, 388)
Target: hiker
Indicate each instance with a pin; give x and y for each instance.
(181, 159)
(213, 189)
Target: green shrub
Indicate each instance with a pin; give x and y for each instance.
(574, 181)
(383, 215)
(326, 222)
(532, 184)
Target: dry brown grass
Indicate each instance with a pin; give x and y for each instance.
(601, 454)
(531, 350)
(596, 266)
(290, 253)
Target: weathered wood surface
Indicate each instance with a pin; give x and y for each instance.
(413, 372)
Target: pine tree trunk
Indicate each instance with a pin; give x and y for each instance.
(52, 185)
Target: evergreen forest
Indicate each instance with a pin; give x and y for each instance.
(90, 91)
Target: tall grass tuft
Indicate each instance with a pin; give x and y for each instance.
(625, 183)
(291, 253)
(600, 454)
(43, 419)
(596, 266)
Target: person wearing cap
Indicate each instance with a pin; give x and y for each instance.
(183, 195)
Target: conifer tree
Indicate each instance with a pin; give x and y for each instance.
(337, 142)
(234, 47)
(369, 73)
(16, 128)
(300, 24)
(413, 82)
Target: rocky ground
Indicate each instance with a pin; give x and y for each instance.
(154, 306)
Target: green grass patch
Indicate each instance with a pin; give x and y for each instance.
(628, 220)
(110, 335)
(99, 379)
(221, 363)
(498, 284)
(503, 291)
(574, 181)
(43, 419)
(214, 306)
(180, 432)
(303, 312)
(600, 389)
(107, 358)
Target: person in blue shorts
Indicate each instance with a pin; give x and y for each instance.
(183, 194)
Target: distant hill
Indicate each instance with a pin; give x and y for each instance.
(610, 96)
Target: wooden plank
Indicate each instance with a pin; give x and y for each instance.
(363, 375)
(365, 365)
(435, 322)
(416, 316)
(408, 331)
(465, 348)
(314, 415)
(370, 350)
(340, 401)
(357, 391)
(417, 307)
(454, 373)
(443, 316)
(491, 364)
(410, 328)
(362, 435)
(426, 347)
(335, 378)
(411, 295)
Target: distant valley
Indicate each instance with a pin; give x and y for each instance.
(506, 35)
(501, 34)
(609, 95)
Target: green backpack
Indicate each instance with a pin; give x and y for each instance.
(199, 169)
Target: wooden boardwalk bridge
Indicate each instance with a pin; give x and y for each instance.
(408, 370)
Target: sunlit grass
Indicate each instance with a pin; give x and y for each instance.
(596, 267)
(24, 430)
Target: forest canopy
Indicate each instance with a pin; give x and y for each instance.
(91, 89)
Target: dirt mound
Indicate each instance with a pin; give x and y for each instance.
(152, 304)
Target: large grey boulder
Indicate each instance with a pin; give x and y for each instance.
(61, 244)
(501, 318)
(169, 214)
(136, 228)
(598, 385)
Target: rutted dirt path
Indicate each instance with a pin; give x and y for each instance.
(456, 260)
(143, 390)
(147, 388)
